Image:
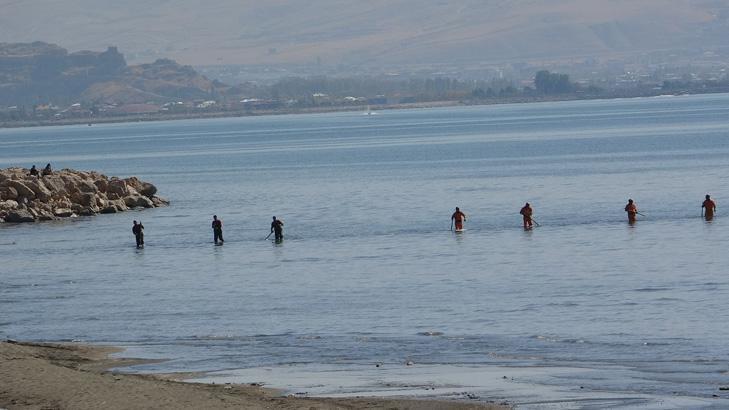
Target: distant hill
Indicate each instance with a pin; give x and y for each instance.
(33, 73)
(379, 32)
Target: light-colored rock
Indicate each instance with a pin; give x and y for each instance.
(55, 184)
(39, 189)
(85, 198)
(86, 186)
(8, 192)
(8, 205)
(63, 212)
(68, 193)
(138, 201)
(159, 201)
(116, 189)
(22, 189)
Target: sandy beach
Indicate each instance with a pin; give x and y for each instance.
(72, 376)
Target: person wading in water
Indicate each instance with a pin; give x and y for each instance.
(277, 227)
(708, 207)
(632, 209)
(217, 230)
(526, 213)
(458, 217)
(138, 231)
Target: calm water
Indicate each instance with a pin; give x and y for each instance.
(369, 271)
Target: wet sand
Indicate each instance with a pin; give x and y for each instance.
(72, 376)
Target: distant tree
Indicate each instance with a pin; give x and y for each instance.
(552, 83)
(478, 93)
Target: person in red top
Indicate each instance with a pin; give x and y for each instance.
(632, 210)
(526, 213)
(708, 208)
(458, 217)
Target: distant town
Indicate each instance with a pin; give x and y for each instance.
(43, 84)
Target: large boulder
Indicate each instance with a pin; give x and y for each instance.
(56, 185)
(148, 189)
(138, 201)
(23, 190)
(117, 189)
(85, 199)
(39, 189)
(18, 216)
(101, 184)
(111, 209)
(8, 193)
(8, 205)
(86, 186)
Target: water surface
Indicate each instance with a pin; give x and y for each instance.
(582, 312)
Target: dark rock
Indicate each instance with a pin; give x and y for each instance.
(148, 189)
(111, 209)
(87, 212)
(19, 216)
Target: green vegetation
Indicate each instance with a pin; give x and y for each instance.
(552, 83)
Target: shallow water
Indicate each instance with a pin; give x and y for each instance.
(369, 271)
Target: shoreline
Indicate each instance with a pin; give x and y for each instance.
(55, 375)
(158, 117)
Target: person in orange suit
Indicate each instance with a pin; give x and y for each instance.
(708, 208)
(526, 213)
(458, 217)
(632, 210)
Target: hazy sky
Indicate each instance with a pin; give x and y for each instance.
(378, 32)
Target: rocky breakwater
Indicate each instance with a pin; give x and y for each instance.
(68, 193)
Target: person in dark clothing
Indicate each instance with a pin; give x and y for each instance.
(138, 231)
(217, 230)
(47, 170)
(526, 213)
(33, 171)
(277, 228)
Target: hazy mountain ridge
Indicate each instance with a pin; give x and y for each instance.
(378, 32)
(36, 73)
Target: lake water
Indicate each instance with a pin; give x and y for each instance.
(584, 311)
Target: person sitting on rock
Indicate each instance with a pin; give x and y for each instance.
(33, 171)
(47, 170)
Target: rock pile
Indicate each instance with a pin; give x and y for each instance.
(68, 193)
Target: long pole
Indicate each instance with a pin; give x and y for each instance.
(535, 221)
(451, 225)
(269, 235)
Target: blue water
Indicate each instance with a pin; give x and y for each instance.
(369, 264)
